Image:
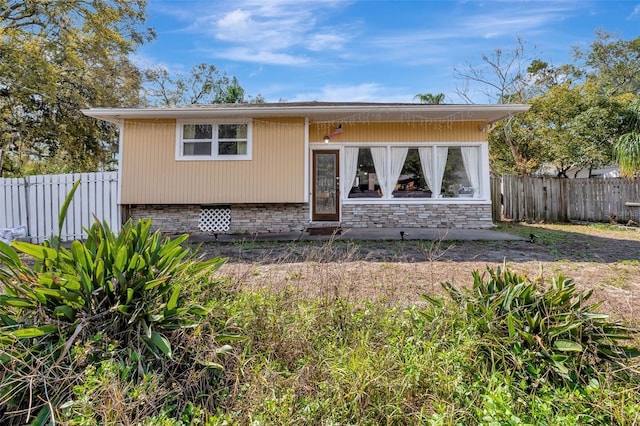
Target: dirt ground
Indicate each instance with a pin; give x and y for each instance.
(599, 257)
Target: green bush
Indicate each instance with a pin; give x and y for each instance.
(551, 333)
(121, 292)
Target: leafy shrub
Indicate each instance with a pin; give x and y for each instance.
(111, 295)
(542, 333)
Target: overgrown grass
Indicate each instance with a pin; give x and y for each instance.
(338, 360)
(331, 361)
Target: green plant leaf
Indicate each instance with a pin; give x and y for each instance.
(30, 332)
(44, 415)
(511, 324)
(64, 311)
(631, 352)
(229, 338)
(7, 320)
(121, 258)
(51, 292)
(556, 331)
(36, 251)
(123, 309)
(10, 255)
(162, 343)
(16, 302)
(155, 283)
(173, 300)
(198, 310)
(211, 365)
(567, 346)
(65, 206)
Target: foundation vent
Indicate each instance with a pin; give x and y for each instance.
(214, 219)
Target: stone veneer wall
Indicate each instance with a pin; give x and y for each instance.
(169, 219)
(263, 218)
(452, 216)
(249, 218)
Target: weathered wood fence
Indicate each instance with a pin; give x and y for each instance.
(545, 199)
(35, 202)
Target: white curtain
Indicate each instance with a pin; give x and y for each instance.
(426, 161)
(398, 155)
(379, 155)
(470, 160)
(441, 162)
(433, 170)
(350, 169)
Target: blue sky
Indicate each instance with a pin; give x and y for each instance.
(369, 50)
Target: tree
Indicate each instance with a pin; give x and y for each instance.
(57, 57)
(204, 84)
(578, 126)
(569, 124)
(627, 148)
(502, 77)
(610, 62)
(509, 76)
(514, 147)
(428, 98)
(566, 127)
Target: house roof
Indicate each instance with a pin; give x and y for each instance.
(319, 111)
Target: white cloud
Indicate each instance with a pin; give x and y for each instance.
(145, 62)
(465, 34)
(268, 30)
(635, 14)
(234, 22)
(242, 54)
(297, 31)
(322, 42)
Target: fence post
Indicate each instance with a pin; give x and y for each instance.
(496, 198)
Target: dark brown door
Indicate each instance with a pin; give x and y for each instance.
(326, 186)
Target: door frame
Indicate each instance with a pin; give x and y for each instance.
(322, 217)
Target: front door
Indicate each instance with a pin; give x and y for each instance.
(326, 186)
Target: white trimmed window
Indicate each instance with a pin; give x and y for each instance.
(417, 172)
(204, 140)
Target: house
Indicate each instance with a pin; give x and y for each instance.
(279, 167)
(604, 172)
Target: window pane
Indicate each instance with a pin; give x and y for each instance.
(197, 131)
(198, 148)
(455, 182)
(232, 148)
(232, 131)
(242, 148)
(326, 190)
(366, 183)
(411, 183)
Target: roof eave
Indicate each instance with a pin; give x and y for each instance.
(488, 113)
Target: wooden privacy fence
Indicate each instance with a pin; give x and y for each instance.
(546, 199)
(35, 202)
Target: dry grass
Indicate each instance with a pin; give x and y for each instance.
(327, 269)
